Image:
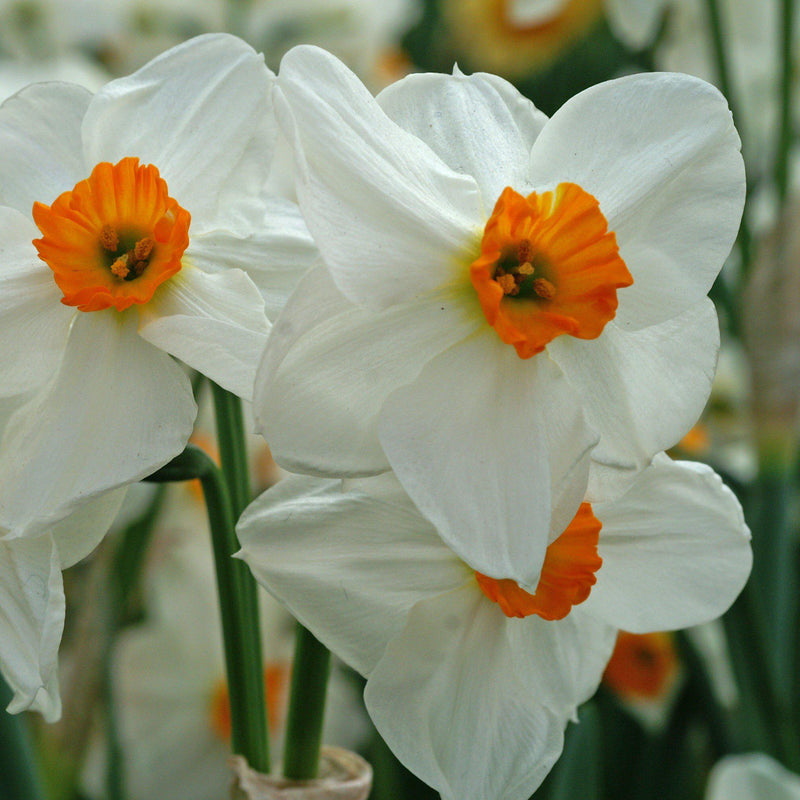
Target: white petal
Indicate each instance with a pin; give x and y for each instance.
(33, 322)
(117, 410)
(214, 323)
(675, 549)
(389, 217)
(31, 622)
(79, 534)
(474, 703)
(330, 365)
(752, 776)
(275, 255)
(494, 450)
(479, 125)
(661, 155)
(40, 143)
(349, 566)
(635, 22)
(200, 113)
(643, 389)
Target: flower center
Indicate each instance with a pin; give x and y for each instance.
(114, 238)
(567, 577)
(548, 265)
(643, 665)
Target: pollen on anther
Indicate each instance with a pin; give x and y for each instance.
(525, 268)
(544, 288)
(143, 248)
(507, 284)
(524, 251)
(109, 238)
(120, 267)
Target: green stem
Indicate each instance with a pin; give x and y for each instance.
(232, 448)
(235, 468)
(726, 85)
(238, 609)
(310, 672)
(18, 775)
(785, 97)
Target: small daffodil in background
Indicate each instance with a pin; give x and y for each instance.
(168, 676)
(471, 679)
(517, 37)
(512, 308)
(754, 776)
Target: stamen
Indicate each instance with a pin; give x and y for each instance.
(138, 266)
(109, 238)
(524, 251)
(544, 288)
(143, 248)
(508, 284)
(525, 269)
(120, 267)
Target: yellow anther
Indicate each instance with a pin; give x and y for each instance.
(524, 251)
(120, 267)
(507, 284)
(544, 288)
(109, 238)
(143, 248)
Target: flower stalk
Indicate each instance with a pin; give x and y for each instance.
(310, 673)
(785, 97)
(238, 608)
(721, 63)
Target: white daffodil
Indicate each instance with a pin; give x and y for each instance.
(471, 680)
(501, 291)
(128, 220)
(516, 38)
(752, 776)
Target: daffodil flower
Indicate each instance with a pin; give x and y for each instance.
(507, 300)
(471, 679)
(135, 225)
(751, 776)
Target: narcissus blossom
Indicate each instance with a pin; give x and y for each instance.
(128, 220)
(471, 679)
(518, 37)
(507, 300)
(751, 776)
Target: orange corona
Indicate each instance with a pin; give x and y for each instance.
(548, 265)
(567, 576)
(643, 665)
(114, 238)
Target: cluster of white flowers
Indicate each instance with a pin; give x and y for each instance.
(486, 326)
